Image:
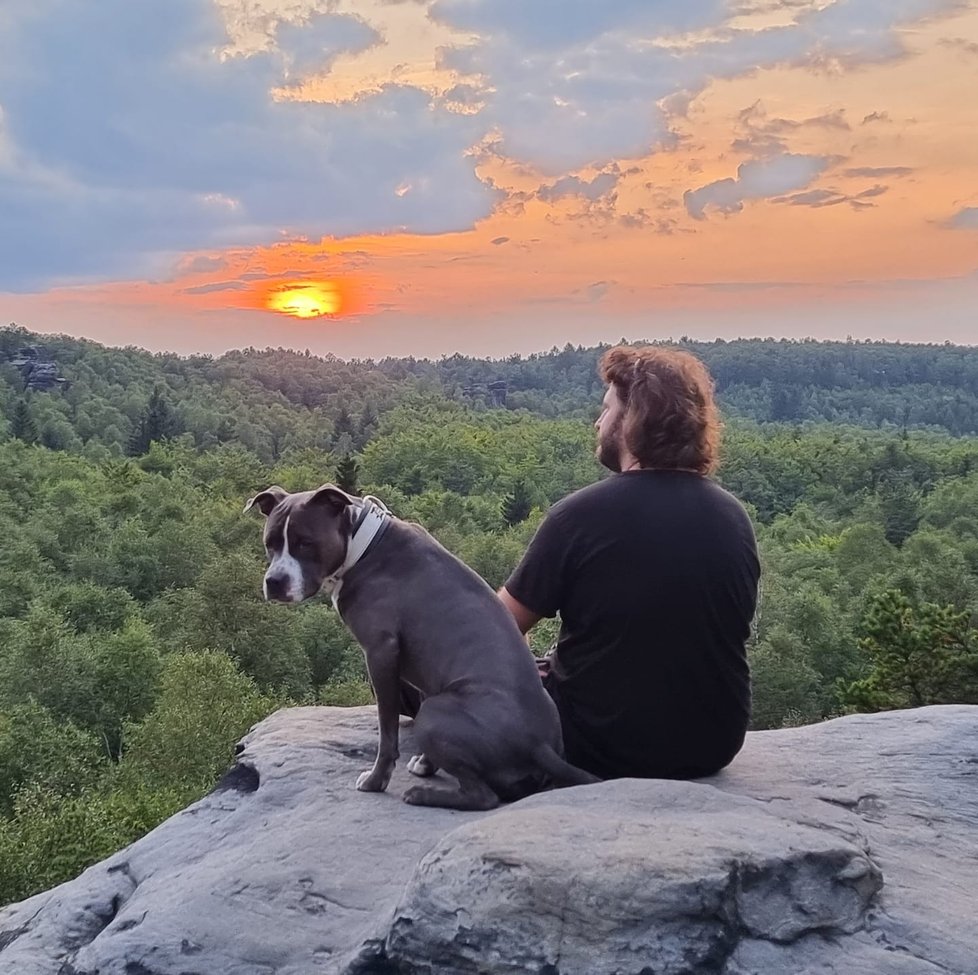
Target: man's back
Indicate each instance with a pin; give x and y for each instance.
(654, 573)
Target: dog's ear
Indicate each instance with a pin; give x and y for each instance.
(332, 496)
(267, 500)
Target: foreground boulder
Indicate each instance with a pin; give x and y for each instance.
(848, 847)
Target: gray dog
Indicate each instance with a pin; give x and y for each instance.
(425, 618)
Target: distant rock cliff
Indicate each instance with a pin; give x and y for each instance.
(40, 374)
(846, 847)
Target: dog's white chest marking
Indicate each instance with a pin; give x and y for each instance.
(285, 564)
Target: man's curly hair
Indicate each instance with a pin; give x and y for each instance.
(670, 419)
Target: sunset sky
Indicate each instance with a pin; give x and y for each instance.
(397, 177)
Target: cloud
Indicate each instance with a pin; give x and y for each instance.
(764, 135)
(819, 198)
(756, 179)
(593, 189)
(965, 219)
(558, 24)
(877, 172)
(497, 241)
(311, 46)
(813, 198)
(596, 291)
(852, 33)
(962, 45)
(201, 264)
(133, 132)
(206, 289)
(563, 102)
(137, 141)
(568, 84)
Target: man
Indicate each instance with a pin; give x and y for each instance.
(654, 572)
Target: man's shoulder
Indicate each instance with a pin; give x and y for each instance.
(725, 498)
(663, 490)
(666, 483)
(583, 498)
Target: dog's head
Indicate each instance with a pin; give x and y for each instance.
(306, 538)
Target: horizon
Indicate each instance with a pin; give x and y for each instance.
(537, 353)
(376, 178)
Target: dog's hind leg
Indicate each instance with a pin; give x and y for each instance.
(452, 745)
(472, 793)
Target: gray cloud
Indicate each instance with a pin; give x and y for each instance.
(856, 32)
(575, 83)
(764, 135)
(206, 289)
(597, 290)
(138, 141)
(818, 198)
(126, 138)
(965, 219)
(877, 172)
(641, 217)
(608, 98)
(962, 45)
(558, 24)
(593, 189)
(756, 179)
(311, 47)
(202, 264)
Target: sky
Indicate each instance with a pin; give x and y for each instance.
(425, 177)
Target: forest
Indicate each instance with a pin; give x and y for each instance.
(135, 647)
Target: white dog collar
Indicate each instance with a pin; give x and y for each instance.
(372, 517)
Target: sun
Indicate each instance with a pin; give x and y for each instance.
(307, 299)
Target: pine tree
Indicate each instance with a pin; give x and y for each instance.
(138, 442)
(348, 474)
(343, 423)
(157, 423)
(368, 420)
(900, 505)
(918, 655)
(225, 430)
(159, 420)
(517, 504)
(22, 424)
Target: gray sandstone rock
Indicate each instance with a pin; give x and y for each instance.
(846, 847)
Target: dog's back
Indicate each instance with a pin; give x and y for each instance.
(442, 608)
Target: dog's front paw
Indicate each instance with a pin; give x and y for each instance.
(372, 781)
(421, 766)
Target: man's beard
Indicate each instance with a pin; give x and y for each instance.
(609, 448)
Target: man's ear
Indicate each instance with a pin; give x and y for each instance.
(332, 496)
(267, 500)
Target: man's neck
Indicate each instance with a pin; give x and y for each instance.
(633, 464)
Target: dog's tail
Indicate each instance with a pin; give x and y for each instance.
(562, 773)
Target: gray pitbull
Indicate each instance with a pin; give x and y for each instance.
(425, 618)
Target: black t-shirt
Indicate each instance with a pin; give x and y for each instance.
(654, 574)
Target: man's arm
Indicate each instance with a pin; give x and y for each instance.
(525, 618)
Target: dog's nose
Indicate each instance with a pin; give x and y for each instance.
(275, 585)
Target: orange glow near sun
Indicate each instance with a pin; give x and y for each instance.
(306, 299)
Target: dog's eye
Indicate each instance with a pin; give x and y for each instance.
(303, 545)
